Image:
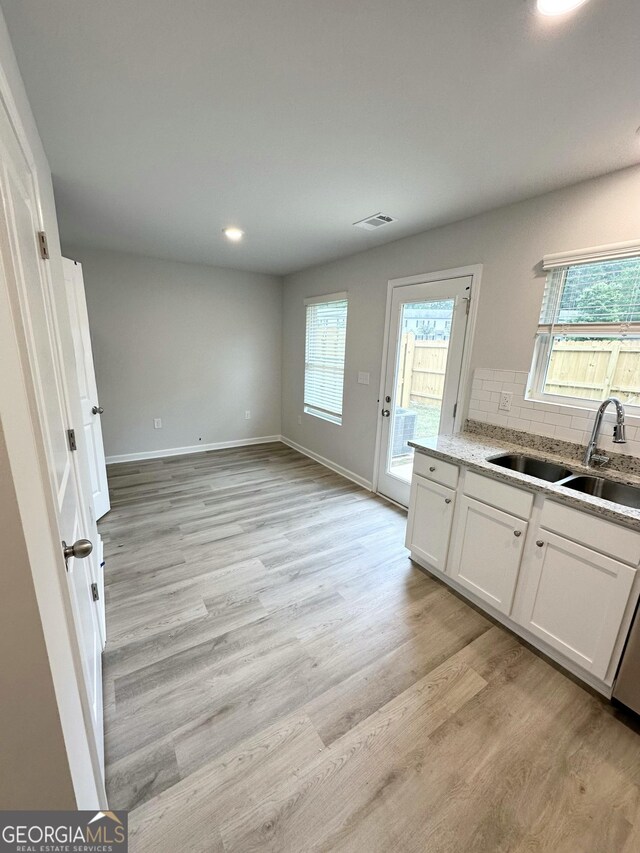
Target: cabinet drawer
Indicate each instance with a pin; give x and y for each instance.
(508, 498)
(597, 533)
(435, 469)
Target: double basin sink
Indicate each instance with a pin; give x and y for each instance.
(599, 487)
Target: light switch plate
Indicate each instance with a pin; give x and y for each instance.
(157, 423)
(363, 378)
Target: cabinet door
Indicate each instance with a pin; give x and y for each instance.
(488, 551)
(429, 524)
(575, 600)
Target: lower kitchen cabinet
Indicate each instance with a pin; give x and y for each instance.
(574, 599)
(487, 552)
(429, 522)
(519, 555)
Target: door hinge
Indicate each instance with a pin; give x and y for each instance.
(455, 409)
(44, 245)
(71, 439)
(94, 592)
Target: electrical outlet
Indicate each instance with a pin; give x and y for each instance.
(157, 423)
(504, 403)
(299, 420)
(247, 415)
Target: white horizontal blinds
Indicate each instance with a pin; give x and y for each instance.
(324, 356)
(600, 299)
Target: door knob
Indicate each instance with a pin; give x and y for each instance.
(539, 543)
(517, 533)
(385, 413)
(81, 548)
(97, 410)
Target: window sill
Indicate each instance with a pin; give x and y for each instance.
(576, 407)
(323, 416)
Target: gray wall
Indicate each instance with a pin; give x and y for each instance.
(194, 345)
(510, 242)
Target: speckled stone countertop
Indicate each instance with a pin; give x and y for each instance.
(473, 450)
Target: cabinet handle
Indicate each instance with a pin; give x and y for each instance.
(539, 543)
(432, 469)
(447, 500)
(517, 532)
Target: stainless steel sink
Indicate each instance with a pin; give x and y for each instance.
(606, 489)
(548, 471)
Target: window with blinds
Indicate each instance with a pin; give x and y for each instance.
(326, 333)
(588, 338)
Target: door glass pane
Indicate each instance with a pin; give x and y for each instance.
(421, 366)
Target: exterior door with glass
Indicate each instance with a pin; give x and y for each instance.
(426, 337)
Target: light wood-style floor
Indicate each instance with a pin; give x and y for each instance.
(280, 677)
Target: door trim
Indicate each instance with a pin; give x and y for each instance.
(25, 448)
(475, 271)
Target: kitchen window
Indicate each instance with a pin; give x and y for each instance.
(325, 341)
(588, 339)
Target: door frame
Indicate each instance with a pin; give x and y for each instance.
(29, 470)
(475, 271)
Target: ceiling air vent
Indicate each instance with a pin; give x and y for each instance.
(375, 221)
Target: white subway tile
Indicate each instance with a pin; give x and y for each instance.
(529, 405)
(579, 423)
(483, 373)
(557, 419)
(545, 429)
(519, 423)
(496, 419)
(504, 375)
(567, 434)
(490, 385)
(534, 415)
(482, 394)
(516, 389)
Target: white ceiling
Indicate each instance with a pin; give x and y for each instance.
(165, 120)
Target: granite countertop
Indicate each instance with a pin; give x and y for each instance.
(473, 450)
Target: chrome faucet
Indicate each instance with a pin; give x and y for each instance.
(619, 436)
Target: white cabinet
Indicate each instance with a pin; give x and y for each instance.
(574, 599)
(562, 578)
(487, 552)
(429, 523)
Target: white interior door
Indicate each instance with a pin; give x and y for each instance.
(426, 337)
(41, 331)
(91, 409)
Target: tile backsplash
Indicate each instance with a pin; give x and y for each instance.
(567, 423)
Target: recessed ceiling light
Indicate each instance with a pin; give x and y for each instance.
(232, 233)
(558, 7)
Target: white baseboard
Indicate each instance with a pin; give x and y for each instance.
(344, 472)
(196, 448)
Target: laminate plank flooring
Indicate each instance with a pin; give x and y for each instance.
(280, 677)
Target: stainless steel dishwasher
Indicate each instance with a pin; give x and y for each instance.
(627, 685)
